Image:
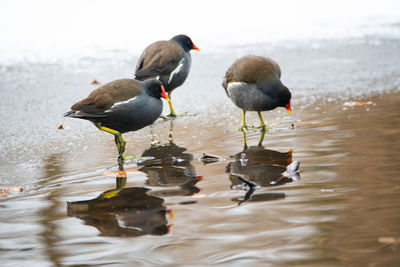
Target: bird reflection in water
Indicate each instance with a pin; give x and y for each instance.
(137, 211)
(123, 211)
(256, 167)
(170, 168)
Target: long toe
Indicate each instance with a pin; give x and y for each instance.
(264, 128)
(175, 115)
(128, 158)
(136, 159)
(172, 115)
(261, 127)
(244, 128)
(186, 114)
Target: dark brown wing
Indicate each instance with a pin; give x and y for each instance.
(107, 95)
(160, 58)
(250, 69)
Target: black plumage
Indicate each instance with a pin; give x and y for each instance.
(169, 61)
(121, 106)
(253, 84)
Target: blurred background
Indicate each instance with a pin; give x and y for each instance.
(47, 30)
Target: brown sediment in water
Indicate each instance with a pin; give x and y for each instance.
(338, 213)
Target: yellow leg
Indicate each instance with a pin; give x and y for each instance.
(244, 126)
(244, 141)
(261, 137)
(108, 130)
(172, 114)
(261, 120)
(119, 141)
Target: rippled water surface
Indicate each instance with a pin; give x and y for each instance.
(174, 209)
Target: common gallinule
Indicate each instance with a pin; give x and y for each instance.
(121, 106)
(256, 167)
(168, 61)
(171, 167)
(131, 211)
(253, 84)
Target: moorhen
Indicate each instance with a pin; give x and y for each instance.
(121, 106)
(167, 61)
(131, 211)
(253, 84)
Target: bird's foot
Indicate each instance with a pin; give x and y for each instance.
(244, 128)
(262, 127)
(186, 114)
(172, 116)
(167, 117)
(154, 142)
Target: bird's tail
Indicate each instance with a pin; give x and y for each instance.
(69, 114)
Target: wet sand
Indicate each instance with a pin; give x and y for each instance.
(73, 210)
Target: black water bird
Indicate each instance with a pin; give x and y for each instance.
(170, 168)
(253, 84)
(169, 61)
(121, 106)
(129, 211)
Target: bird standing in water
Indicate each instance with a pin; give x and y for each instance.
(167, 61)
(121, 106)
(253, 84)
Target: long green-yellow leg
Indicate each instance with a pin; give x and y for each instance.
(244, 141)
(119, 141)
(244, 126)
(262, 137)
(121, 149)
(172, 114)
(262, 121)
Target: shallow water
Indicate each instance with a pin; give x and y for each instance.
(176, 210)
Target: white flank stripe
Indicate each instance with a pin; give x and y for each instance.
(176, 70)
(123, 102)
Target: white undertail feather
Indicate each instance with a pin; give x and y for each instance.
(233, 85)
